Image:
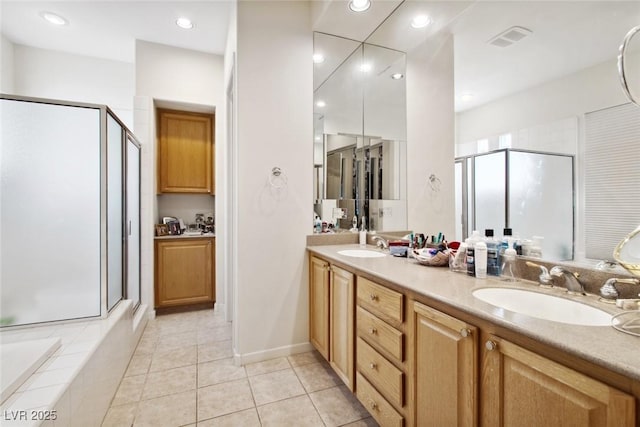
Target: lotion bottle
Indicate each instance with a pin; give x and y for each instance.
(481, 260)
(363, 233)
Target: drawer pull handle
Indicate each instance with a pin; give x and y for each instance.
(373, 331)
(373, 365)
(464, 332)
(373, 297)
(490, 345)
(373, 405)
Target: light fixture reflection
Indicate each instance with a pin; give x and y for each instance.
(184, 23)
(365, 68)
(397, 76)
(53, 18)
(420, 21)
(359, 5)
(466, 97)
(318, 58)
(321, 104)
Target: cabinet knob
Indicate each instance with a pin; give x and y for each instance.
(373, 405)
(373, 297)
(373, 331)
(490, 345)
(465, 332)
(373, 365)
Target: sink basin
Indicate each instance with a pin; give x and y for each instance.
(361, 253)
(543, 306)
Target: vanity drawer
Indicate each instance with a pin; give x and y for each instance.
(380, 300)
(380, 372)
(379, 334)
(378, 407)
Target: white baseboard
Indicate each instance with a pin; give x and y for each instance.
(220, 306)
(272, 353)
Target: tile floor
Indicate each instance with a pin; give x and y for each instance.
(182, 374)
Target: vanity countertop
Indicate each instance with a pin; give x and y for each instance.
(601, 345)
(182, 236)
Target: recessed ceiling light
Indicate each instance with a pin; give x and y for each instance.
(466, 97)
(321, 104)
(420, 21)
(184, 23)
(359, 5)
(318, 58)
(54, 19)
(365, 68)
(397, 76)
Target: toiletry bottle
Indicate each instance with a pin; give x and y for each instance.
(317, 225)
(354, 224)
(508, 263)
(459, 262)
(471, 242)
(507, 234)
(493, 266)
(410, 249)
(363, 233)
(481, 260)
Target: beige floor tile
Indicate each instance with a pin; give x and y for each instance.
(215, 334)
(267, 366)
(338, 406)
(246, 418)
(138, 365)
(129, 391)
(317, 376)
(170, 382)
(296, 412)
(177, 326)
(305, 358)
(223, 399)
(214, 351)
(367, 422)
(177, 358)
(219, 371)
(119, 416)
(173, 410)
(275, 386)
(171, 342)
(146, 345)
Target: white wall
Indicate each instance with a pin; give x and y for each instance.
(57, 75)
(185, 79)
(430, 137)
(6, 65)
(275, 77)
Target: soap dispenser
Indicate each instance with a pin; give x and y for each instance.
(363, 233)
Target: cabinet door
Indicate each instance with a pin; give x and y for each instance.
(521, 388)
(319, 305)
(185, 152)
(184, 272)
(445, 369)
(342, 309)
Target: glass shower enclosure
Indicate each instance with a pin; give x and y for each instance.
(69, 211)
(521, 190)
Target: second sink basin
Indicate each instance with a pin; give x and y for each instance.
(544, 306)
(361, 253)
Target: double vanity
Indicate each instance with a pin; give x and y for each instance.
(426, 346)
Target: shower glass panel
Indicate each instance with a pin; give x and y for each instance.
(49, 212)
(114, 211)
(133, 221)
(490, 192)
(540, 187)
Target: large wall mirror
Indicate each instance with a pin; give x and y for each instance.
(359, 134)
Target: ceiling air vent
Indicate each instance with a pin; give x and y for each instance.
(509, 36)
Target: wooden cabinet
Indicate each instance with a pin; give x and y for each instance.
(185, 152)
(184, 271)
(522, 388)
(319, 305)
(331, 316)
(445, 369)
(341, 324)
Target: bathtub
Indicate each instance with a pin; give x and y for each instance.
(74, 370)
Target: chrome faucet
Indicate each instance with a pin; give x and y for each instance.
(381, 242)
(571, 281)
(609, 292)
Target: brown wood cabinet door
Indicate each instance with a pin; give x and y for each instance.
(185, 272)
(185, 152)
(341, 325)
(521, 388)
(319, 305)
(445, 369)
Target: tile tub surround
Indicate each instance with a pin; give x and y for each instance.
(182, 373)
(602, 346)
(80, 378)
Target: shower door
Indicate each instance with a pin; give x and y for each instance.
(133, 220)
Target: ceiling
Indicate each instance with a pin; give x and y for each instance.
(108, 29)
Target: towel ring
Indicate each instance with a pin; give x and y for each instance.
(277, 178)
(621, 69)
(434, 183)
